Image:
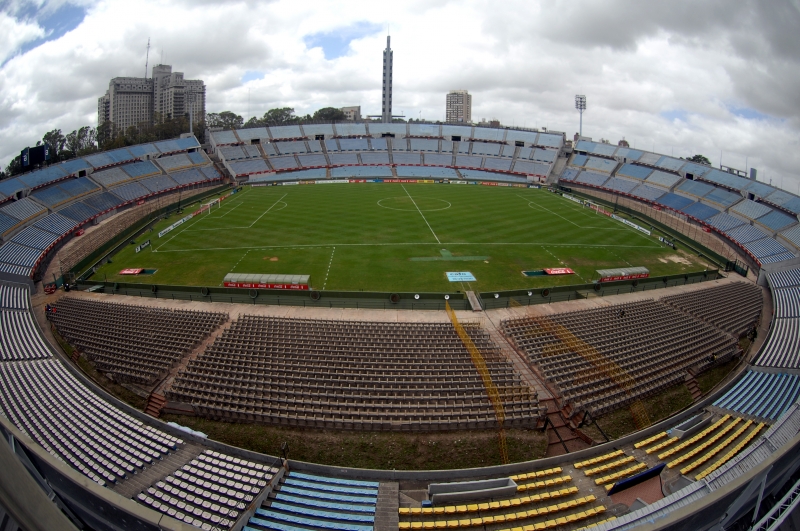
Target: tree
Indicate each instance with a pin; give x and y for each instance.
(56, 142)
(279, 116)
(14, 167)
(82, 141)
(329, 114)
(224, 119)
(699, 159)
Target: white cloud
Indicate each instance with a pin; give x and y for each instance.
(14, 33)
(665, 75)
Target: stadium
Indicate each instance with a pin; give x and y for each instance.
(496, 350)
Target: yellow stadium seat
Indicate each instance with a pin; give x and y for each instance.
(543, 510)
(475, 521)
(650, 440)
(464, 523)
(405, 525)
(461, 508)
(494, 505)
(427, 510)
(405, 510)
(532, 513)
(472, 507)
(539, 526)
(452, 524)
(441, 524)
(487, 520)
(483, 506)
(505, 504)
(450, 509)
(550, 524)
(416, 525)
(429, 525)
(416, 510)
(500, 518)
(571, 518)
(438, 510)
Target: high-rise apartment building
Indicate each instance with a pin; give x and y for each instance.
(386, 112)
(458, 107)
(135, 100)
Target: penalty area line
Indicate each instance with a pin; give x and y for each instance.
(267, 210)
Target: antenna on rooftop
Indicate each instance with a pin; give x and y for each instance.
(147, 60)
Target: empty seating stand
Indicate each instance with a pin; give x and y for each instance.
(303, 501)
(549, 502)
(351, 375)
(603, 359)
(47, 403)
(210, 492)
(733, 307)
(133, 343)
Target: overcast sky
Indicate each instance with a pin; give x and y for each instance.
(720, 77)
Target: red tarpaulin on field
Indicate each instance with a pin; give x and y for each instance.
(559, 271)
(130, 271)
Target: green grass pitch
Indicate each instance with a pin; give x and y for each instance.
(395, 237)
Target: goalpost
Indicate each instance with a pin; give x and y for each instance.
(210, 206)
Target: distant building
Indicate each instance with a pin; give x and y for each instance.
(458, 107)
(352, 114)
(135, 100)
(623, 143)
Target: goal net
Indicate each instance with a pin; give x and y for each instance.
(210, 206)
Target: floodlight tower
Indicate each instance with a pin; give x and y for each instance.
(580, 104)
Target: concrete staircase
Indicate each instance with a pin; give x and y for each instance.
(155, 403)
(692, 386)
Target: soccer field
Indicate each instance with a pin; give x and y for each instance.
(395, 237)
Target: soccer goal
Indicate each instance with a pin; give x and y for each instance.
(210, 206)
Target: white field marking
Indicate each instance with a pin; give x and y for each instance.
(421, 214)
(240, 260)
(328, 272)
(231, 210)
(562, 263)
(239, 228)
(618, 256)
(537, 205)
(267, 210)
(228, 202)
(190, 223)
(536, 244)
(449, 204)
(574, 206)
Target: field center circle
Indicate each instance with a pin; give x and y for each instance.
(405, 204)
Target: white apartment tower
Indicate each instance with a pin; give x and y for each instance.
(458, 108)
(386, 113)
(134, 100)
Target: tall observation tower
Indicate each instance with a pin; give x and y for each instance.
(387, 82)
